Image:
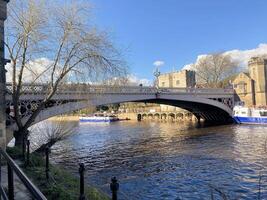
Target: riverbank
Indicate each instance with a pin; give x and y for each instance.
(60, 185)
(65, 118)
(160, 116)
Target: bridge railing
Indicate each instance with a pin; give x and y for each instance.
(98, 89)
(196, 90)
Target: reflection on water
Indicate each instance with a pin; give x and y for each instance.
(170, 160)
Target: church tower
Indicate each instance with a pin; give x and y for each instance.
(258, 73)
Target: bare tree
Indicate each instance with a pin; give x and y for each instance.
(66, 44)
(212, 69)
(48, 133)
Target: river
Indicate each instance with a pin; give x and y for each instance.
(170, 160)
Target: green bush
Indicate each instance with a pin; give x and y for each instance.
(14, 152)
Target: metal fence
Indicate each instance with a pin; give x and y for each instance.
(11, 168)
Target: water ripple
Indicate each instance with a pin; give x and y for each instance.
(169, 160)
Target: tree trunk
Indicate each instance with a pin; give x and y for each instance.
(20, 137)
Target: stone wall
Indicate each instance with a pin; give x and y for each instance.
(244, 88)
(258, 72)
(3, 5)
(251, 87)
(131, 116)
(165, 80)
(181, 79)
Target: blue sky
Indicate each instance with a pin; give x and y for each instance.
(177, 31)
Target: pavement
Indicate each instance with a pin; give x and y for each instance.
(20, 191)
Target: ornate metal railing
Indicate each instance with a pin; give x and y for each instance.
(11, 168)
(107, 89)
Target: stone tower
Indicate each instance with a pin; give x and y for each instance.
(179, 79)
(258, 73)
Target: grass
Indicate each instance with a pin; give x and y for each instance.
(60, 185)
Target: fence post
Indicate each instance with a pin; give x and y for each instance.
(28, 153)
(47, 162)
(114, 187)
(81, 171)
(10, 182)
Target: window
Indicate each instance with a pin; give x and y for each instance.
(263, 113)
(177, 82)
(242, 87)
(163, 84)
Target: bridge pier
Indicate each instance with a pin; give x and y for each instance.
(198, 119)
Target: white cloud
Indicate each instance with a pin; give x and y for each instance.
(243, 56)
(158, 63)
(240, 56)
(42, 67)
(134, 80)
(39, 68)
(188, 66)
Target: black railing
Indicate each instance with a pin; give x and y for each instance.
(114, 185)
(11, 168)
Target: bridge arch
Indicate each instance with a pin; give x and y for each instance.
(208, 109)
(180, 116)
(157, 116)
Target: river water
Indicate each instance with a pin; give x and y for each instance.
(170, 160)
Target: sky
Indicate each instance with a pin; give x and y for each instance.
(173, 33)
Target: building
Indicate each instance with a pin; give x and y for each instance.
(251, 87)
(180, 79)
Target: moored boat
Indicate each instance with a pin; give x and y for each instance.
(99, 117)
(246, 115)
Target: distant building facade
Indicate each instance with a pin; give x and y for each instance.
(251, 87)
(180, 79)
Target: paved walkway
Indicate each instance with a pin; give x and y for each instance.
(20, 191)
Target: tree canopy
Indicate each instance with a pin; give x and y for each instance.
(212, 70)
(52, 43)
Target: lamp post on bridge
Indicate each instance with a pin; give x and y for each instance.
(3, 16)
(157, 74)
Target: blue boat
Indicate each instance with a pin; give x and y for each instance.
(99, 117)
(245, 115)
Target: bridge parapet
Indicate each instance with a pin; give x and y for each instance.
(210, 104)
(100, 89)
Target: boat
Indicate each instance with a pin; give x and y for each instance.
(99, 117)
(247, 115)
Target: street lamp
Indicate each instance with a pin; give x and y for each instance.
(157, 74)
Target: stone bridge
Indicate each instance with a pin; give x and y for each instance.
(208, 104)
(166, 116)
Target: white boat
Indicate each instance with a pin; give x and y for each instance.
(99, 117)
(246, 115)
